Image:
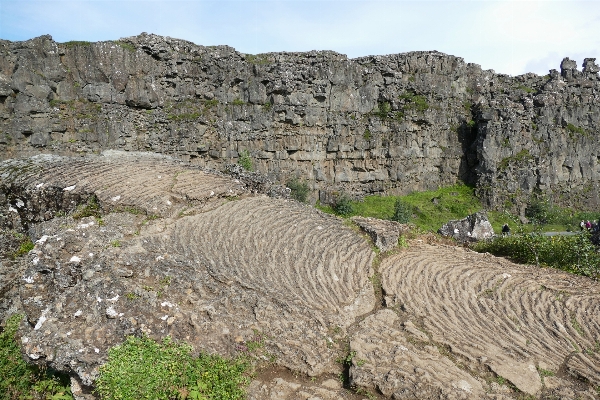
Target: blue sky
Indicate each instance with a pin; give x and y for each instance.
(511, 37)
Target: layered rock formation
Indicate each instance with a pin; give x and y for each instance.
(139, 244)
(390, 124)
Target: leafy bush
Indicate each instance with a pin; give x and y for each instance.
(538, 211)
(22, 381)
(245, 160)
(575, 253)
(141, 368)
(343, 205)
(402, 212)
(300, 190)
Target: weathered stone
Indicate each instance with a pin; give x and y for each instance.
(384, 233)
(471, 228)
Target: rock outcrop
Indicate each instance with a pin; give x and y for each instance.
(469, 229)
(374, 124)
(384, 234)
(134, 244)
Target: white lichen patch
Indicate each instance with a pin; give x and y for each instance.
(69, 188)
(83, 226)
(111, 313)
(42, 240)
(75, 259)
(41, 320)
(464, 385)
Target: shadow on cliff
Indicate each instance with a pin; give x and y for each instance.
(467, 135)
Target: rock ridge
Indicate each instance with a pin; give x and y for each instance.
(377, 124)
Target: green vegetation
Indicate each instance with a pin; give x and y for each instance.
(411, 102)
(21, 380)
(141, 368)
(382, 110)
(299, 190)
(367, 135)
(520, 158)
(245, 160)
(343, 205)
(428, 210)
(24, 248)
(258, 59)
(542, 212)
(125, 45)
(402, 212)
(574, 130)
(267, 106)
(574, 254)
(75, 43)
(238, 102)
(467, 106)
(189, 110)
(90, 209)
(525, 88)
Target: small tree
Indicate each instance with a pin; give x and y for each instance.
(299, 190)
(343, 205)
(402, 212)
(245, 160)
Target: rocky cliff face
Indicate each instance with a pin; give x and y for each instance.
(391, 124)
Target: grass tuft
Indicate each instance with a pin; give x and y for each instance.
(142, 368)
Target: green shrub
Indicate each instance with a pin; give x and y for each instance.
(238, 102)
(402, 212)
(25, 247)
(538, 211)
(382, 110)
(367, 134)
(142, 368)
(575, 253)
(299, 190)
(19, 380)
(343, 205)
(245, 160)
(414, 102)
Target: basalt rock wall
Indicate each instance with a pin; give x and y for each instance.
(374, 124)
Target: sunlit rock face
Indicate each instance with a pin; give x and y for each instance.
(392, 124)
